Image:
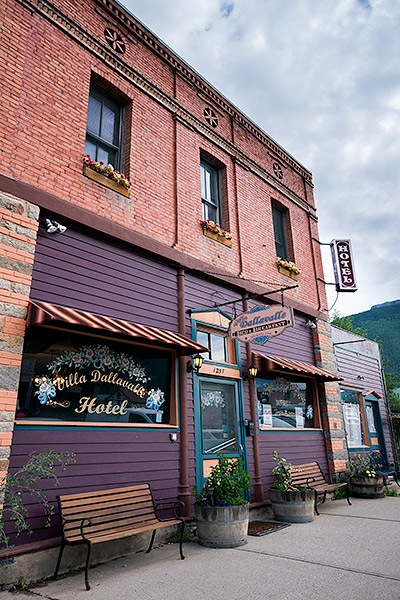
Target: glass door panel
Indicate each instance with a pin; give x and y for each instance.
(219, 418)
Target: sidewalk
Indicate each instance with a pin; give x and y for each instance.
(348, 553)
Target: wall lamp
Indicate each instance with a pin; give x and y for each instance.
(251, 373)
(194, 364)
(54, 227)
(311, 323)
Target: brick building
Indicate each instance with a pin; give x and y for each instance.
(105, 314)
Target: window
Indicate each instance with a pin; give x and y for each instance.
(103, 136)
(210, 192)
(281, 242)
(284, 403)
(218, 344)
(353, 418)
(68, 377)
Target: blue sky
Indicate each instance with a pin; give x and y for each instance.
(322, 78)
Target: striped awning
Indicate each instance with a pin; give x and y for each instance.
(42, 312)
(272, 363)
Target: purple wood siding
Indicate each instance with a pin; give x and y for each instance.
(79, 271)
(350, 366)
(86, 273)
(104, 459)
(298, 447)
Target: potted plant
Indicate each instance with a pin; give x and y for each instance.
(221, 511)
(364, 480)
(290, 503)
(215, 232)
(288, 268)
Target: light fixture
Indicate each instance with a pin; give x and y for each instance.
(195, 364)
(311, 323)
(251, 373)
(54, 226)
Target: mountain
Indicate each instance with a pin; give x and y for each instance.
(383, 321)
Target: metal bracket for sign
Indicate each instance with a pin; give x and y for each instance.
(252, 296)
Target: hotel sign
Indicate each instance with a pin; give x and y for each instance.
(343, 265)
(261, 323)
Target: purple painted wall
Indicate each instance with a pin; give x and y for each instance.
(76, 270)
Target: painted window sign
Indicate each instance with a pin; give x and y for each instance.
(285, 404)
(352, 418)
(65, 379)
(261, 323)
(343, 265)
(369, 411)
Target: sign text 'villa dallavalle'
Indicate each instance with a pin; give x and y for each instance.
(261, 323)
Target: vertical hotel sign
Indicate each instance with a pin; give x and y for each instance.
(343, 265)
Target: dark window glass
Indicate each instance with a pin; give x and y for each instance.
(69, 377)
(278, 217)
(103, 129)
(210, 193)
(219, 418)
(285, 403)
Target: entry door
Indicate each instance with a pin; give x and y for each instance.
(219, 424)
(374, 424)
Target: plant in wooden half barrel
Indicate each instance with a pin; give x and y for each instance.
(221, 511)
(290, 503)
(364, 480)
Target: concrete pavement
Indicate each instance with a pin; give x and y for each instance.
(348, 553)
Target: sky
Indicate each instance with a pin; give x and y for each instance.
(322, 78)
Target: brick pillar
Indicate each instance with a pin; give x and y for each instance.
(331, 406)
(18, 231)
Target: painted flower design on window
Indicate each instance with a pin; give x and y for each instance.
(101, 358)
(155, 399)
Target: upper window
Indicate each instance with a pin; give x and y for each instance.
(287, 403)
(281, 243)
(103, 137)
(218, 344)
(210, 192)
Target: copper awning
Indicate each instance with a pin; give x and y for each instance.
(272, 363)
(41, 312)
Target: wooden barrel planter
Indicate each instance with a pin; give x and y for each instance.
(293, 507)
(367, 487)
(222, 526)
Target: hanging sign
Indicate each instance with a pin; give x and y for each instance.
(343, 265)
(261, 323)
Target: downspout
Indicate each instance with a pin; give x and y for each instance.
(184, 492)
(258, 486)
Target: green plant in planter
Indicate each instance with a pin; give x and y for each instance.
(283, 475)
(225, 484)
(26, 481)
(361, 466)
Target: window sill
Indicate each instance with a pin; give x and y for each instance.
(106, 181)
(288, 273)
(217, 238)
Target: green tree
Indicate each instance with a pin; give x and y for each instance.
(391, 381)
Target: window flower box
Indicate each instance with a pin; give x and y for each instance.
(215, 232)
(106, 175)
(288, 268)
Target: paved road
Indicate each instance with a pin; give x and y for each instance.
(348, 553)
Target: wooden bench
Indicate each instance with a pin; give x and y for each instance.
(94, 517)
(311, 476)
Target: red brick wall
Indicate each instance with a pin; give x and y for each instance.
(42, 136)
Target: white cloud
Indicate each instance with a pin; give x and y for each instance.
(322, 78)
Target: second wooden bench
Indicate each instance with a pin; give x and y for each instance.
(310, 475)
